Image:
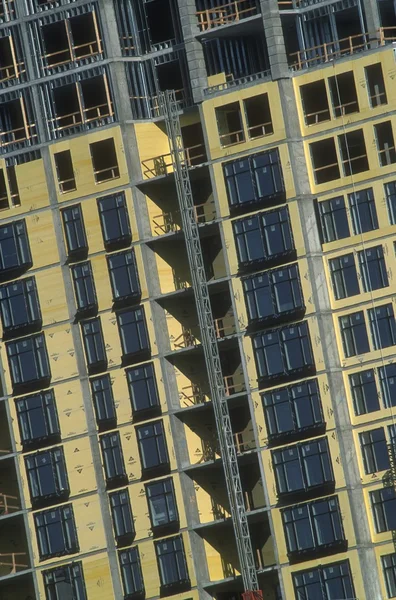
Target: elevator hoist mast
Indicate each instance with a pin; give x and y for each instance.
(170, 111)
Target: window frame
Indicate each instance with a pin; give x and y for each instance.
(100, 364)
(103, 403)
(183, 583)
(31, 303)
(349, 589)
(39, 357)
(81, 249)
(135, 561)
(74, 575)
(138, 323)
(67, 526)
(51, 422)
(124, 238)
(380, 317)
(125, 534)
(114, 455)
(162, 466)
(150, 379)
(59, 473)
(21, 250)
(349, 339)
(379, 499)
(370, 448)
(132, 277)
(84, 288)
(172, 524)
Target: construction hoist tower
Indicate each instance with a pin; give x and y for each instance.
(169, 109)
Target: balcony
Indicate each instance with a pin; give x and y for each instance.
(225, 14)
(163, 164)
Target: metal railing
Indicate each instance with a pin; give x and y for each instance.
(225, 14)
(12, 561)
(257, 131)
(12, 71)
(86, 115)
(169, 222)
(162, 164)
(231, 138)
(19, 134)
(106, 174)
(72, 53)
(8, 504)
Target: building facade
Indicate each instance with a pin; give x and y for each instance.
(111, 477)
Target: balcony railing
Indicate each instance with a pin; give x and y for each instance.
(8, 504)
(72, 53)
(19, 134)
(169, 222)
(163, 164)
(343, 47)
(225, 14)
(12, 71)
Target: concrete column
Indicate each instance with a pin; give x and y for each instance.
(274, 38)
(371, 12)
(329, 346)
(194, 52)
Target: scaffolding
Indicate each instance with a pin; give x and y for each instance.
(169, 108)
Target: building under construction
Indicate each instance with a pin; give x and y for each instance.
(198, 335)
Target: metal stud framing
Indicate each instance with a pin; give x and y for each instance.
(169, 109)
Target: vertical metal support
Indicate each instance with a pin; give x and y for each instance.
(169, 109)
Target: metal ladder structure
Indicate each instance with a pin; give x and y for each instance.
(170, 110)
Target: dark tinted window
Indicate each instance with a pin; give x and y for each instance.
(313, 525)
(384, 509)
(19, 306)
(143, 390)
(333, 219)
(132, 578)
(162, 505)
(344, 276)
(387, 376)
(121, 512)
(28, 361)
(84, 287)
(73, 223)
(65, 583)
(103, 401)
(389, 567)
(113, 459)
(56, 532)
(390, 192)
(14, 248)
(292, 409)
(124, 276)
(330, 582)
(115, 221)
(374, 450)
(283, 352)
(47, 475)
(363, 211)
(273, 293)
(152, 447)
(354, 334)
(373, 269)
(37, 418)
(133, 334)
(302, 467)
(263, 237)
(383, 326)
(95, 352)
(253, 178)
(364, 392)
(172, 563)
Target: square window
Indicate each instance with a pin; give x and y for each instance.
(38, 420)
(383, 326)
(333, 219)
(20, 307)
(374, 450)
(66, 581)
(373, 269)
(15, 256)
(364, 392)
(28, 363)
(56, 532)
(330, 582)
(47, 477)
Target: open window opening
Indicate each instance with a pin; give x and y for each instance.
(104, 160)
(325, 161)
(194, 145)
(387, 16)
(71, 39)
(258, 116)
(56, 43)
(385, 143)
(343, 94)
(221, 12)
(315, 102)
(350, 30)
(376, 85)
(96, 98)
(10, 68)
(229, 124)
(353, 152)
(172, 75)
(161, 21)
(236, 57)
(65, 171)
(67, 106)
(13, 123)
(85, 35)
